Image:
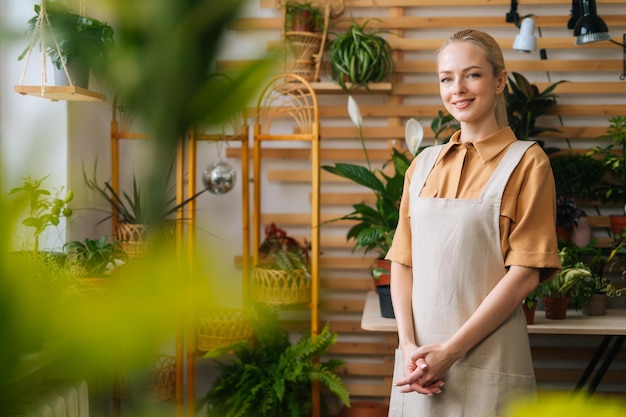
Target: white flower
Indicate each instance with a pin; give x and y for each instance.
(413, 135)
(354, 112)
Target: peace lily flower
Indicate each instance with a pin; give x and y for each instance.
(413, 135)
(355, 115)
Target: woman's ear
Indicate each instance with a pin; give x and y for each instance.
(501, 82)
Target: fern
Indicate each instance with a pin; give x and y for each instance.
(271, 377)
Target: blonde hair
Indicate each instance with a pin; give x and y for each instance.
(493, 54)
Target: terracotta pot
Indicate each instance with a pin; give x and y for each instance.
(302, 21)
(556, 307)
(596, 306)
(618, 223)
(384, 279)
(529, 313)
(564, 233)
(365, 409)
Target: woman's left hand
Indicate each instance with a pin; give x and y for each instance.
(439, 360)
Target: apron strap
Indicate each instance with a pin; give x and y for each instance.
(500, 177)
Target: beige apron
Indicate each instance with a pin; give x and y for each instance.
(457, 260)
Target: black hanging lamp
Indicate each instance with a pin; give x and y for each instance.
(590, 27)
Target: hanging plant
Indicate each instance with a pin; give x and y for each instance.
(360, 56)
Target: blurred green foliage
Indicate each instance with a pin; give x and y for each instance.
(163, 68)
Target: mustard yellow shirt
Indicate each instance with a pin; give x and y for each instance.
(528, 210)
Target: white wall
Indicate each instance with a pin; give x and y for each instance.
(33, 130)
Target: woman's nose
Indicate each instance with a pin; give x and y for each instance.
(459, 87)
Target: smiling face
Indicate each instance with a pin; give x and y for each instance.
(468, 86)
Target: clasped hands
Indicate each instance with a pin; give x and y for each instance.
(424, 369)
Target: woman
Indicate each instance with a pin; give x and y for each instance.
(476, 234)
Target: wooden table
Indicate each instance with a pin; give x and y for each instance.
(612, 326)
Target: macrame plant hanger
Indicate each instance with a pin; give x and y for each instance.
(54, 93)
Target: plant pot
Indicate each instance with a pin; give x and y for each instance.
(555, 307)
(529, 313)
(596, 306)
(564, 233)
(618, 223)
(384, 279)
(384, 298)
(77, 70)
(302, 21)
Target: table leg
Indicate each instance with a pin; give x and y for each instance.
(606, 363)
(593, 362)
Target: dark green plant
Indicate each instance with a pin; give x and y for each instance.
(444, 123)
(303, 14)
(270, 377)
(45, 208)
(96, 257)
(134, 208)
(280, 251)
(587, 286)
(76, 36)
(525, 104)
(576, 176)
(567, 213)
(613, 157)
(375, 225)
(360, 56)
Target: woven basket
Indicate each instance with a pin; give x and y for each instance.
(133, 238)
(220, 327)
(162, 386)
(305, 47)
(277, 286)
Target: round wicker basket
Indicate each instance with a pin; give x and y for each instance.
(277, 286)
(220, 327)
(162, 385)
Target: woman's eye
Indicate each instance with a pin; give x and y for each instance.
(445, 79)
(474, 75)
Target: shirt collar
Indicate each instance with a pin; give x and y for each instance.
(488, 147)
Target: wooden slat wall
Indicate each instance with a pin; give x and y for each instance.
(593, 94)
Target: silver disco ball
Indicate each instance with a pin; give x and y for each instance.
(219, 177)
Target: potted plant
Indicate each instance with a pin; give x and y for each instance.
(613, 157)
(360, 56)
(375, 224)
(70, 40)
(576, 176)
(95, 259)
(557, 291)
(133, 216)
(45, 207)
(303, 17)
(591, 294)
(269, 376)
(281, 274)
(525, 104)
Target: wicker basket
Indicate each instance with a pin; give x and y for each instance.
(220, 327)
(162, 386)
(133, 238)
(305, 47)
(277, 286)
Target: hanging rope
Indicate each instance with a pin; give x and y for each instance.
(43, 21)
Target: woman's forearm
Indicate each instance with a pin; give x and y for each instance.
(401, 293)
(496, 308)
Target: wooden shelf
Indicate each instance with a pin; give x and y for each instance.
(334, 88)
(67, 93)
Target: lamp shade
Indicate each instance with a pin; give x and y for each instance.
(525, 41)
(590, 27)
